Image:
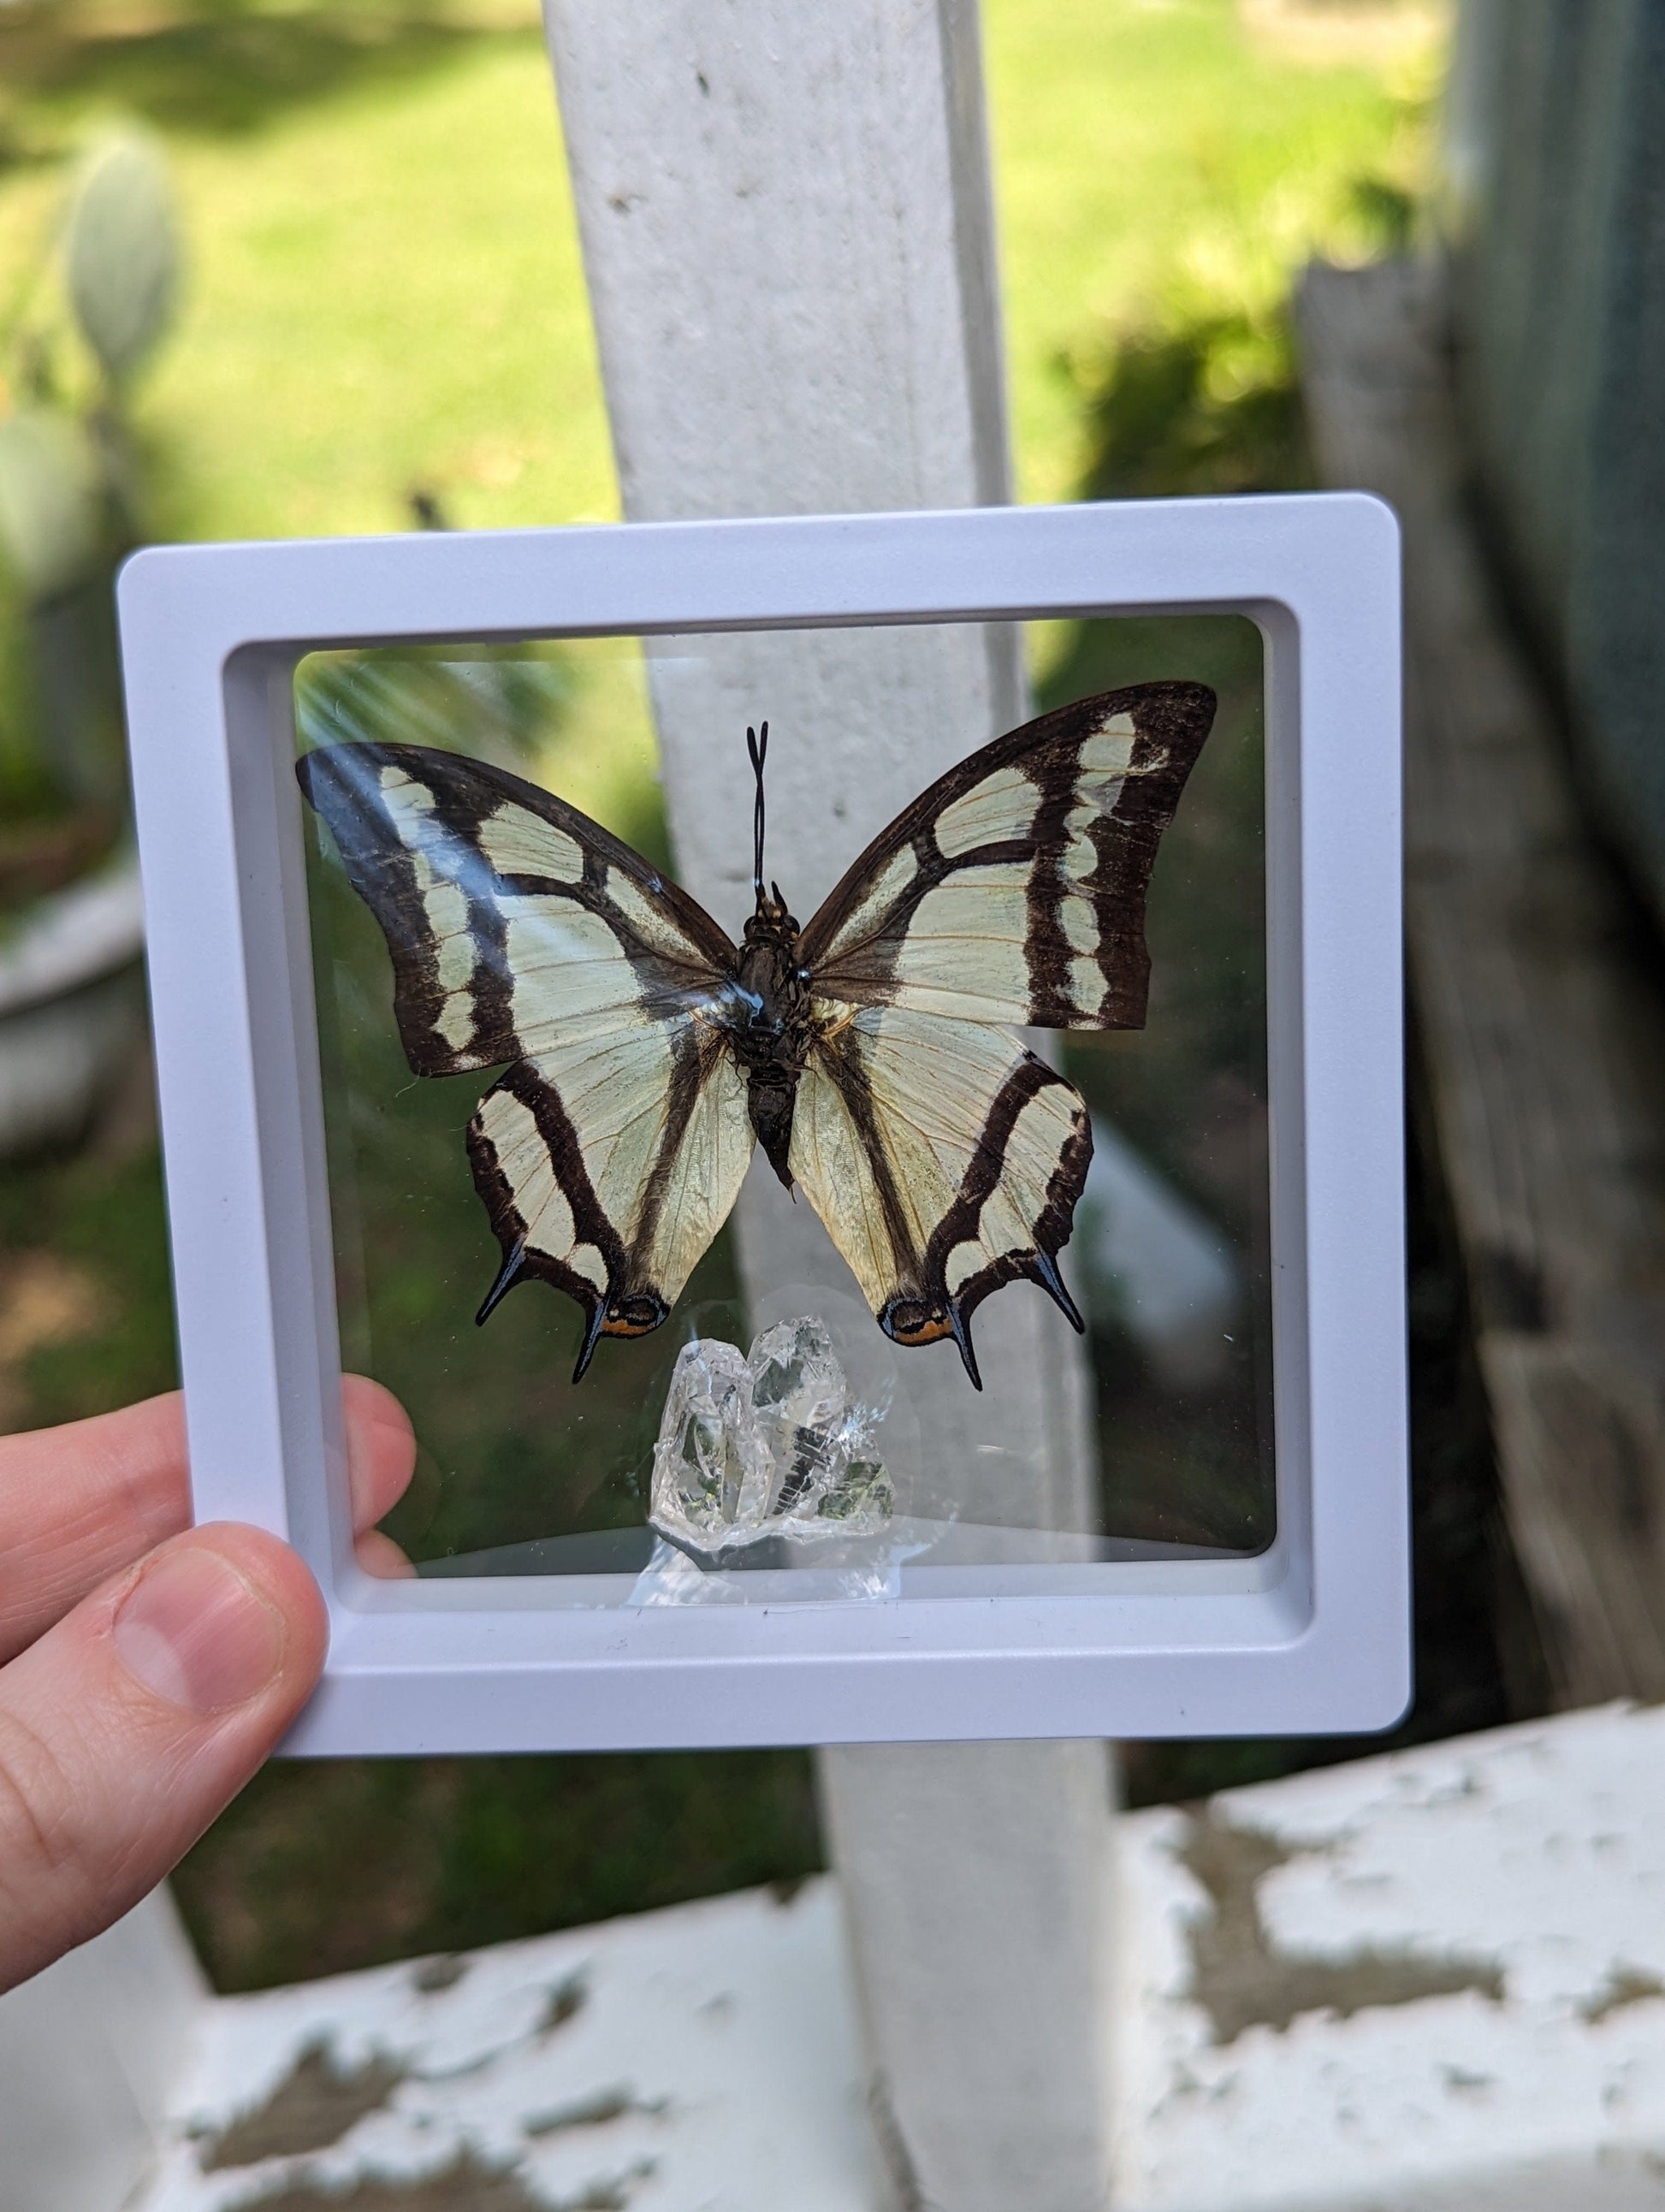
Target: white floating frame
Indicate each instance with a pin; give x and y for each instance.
(1312, 1636)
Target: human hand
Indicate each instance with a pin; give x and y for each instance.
(147, 1668)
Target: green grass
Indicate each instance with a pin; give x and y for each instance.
(322, 1865)
(1155, 167)
(385, 295)
(386, 298)
(103, 1219)
(386, 290)
(414, 316)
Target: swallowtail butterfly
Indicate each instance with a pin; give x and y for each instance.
(869, 1054)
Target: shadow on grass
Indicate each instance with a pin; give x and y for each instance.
(222, 67)
(1205, 406)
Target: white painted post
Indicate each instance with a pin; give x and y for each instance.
(92, 2049)
(788, 236)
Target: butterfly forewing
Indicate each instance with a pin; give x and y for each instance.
(1014, 890)
(521, 931)
(505, 910)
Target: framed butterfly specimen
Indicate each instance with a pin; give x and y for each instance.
(868, 1054)
(633, 1056)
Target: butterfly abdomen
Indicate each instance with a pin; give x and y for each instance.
(769, 1029)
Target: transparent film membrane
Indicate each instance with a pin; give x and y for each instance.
(768, 1441)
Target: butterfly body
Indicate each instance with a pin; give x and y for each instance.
(772, 1028)
(869, 1055)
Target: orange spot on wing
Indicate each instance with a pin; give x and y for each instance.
(929, 1332)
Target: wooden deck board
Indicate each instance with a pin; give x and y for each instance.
(1545, 1028)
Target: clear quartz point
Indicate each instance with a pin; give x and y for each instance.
(798, 1400)
(765, 1446)
(712, 1474)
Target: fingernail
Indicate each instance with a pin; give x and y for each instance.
(192, 1630)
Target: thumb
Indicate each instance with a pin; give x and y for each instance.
(127, 1727)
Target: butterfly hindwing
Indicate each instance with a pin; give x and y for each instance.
(608, 1164)
(945, 1160)
(1014, 890)
(611, 1152)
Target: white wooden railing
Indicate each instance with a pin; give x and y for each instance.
(1426, 1983)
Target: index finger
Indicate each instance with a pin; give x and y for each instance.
(79, 1503)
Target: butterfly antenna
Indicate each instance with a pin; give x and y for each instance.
(757, 746)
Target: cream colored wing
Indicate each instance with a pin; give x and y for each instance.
(509, 915)
(1014, 890)
(609, 1154)
(609, 1164)
(944, 1160)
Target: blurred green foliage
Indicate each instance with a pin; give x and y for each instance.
(1205, 398)
(1211, 406)
(1161, 168)
(101, 1219)
(322, 1865)
(507, 700)
(85, 312)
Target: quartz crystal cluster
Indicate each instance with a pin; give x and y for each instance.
(768, 1444)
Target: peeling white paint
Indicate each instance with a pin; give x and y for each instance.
(705, 2059)
(1539, 1852)
(726, 2027)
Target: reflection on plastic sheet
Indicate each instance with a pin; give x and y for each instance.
(1165, 1271)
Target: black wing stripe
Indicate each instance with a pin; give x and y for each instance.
(532, 1149)
(544, 1102)
(693, 1056)
(469, 792)
(991, 1230)
(624, 1301)
(1126, 840)
(1047, 949)
(843, 1064)
(1062, 818)
(960, 1223)
(520, 931)
(449, 853)
(491, 990)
